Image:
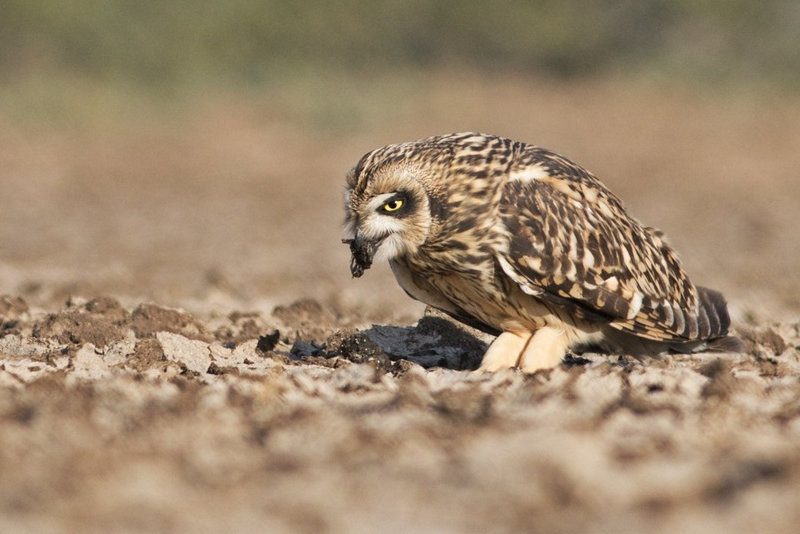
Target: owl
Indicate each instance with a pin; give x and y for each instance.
(524, 244)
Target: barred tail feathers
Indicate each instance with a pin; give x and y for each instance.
(713, 322)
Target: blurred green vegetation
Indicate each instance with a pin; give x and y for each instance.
(170, 43)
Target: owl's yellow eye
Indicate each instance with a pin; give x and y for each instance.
(393, 205)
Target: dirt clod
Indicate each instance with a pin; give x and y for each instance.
(149, 319)
(359, 348)
(720, 380)
(268, 342)
(147, 354)
(301, 349)
(11, 307)
(79, 326)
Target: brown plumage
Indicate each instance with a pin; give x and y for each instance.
(521, 242)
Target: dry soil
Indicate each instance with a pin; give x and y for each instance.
(182, 348)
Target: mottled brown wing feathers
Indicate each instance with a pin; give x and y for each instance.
(570, 241)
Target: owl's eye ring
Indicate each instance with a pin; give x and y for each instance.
(393, 205)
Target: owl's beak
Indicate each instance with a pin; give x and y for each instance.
(362, 250)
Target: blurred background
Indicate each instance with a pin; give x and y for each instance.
(194, 153)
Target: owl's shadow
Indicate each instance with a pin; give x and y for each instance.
(433, 342)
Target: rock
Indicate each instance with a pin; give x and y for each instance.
(192, 354)
(87, 364)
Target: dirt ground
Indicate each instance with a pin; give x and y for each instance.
(182, 348)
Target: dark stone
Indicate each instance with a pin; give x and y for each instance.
(268, 342)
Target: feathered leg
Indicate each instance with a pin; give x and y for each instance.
(545, 349)
(505, 351)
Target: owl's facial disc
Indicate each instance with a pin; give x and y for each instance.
(381, 225)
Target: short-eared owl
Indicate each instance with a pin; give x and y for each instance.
(519, 241)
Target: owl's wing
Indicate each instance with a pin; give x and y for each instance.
(571, 242)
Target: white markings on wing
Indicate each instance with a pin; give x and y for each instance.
(520, 281)
(636, 305)
(528, 174)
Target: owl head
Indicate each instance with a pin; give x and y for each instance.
(387, 207)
